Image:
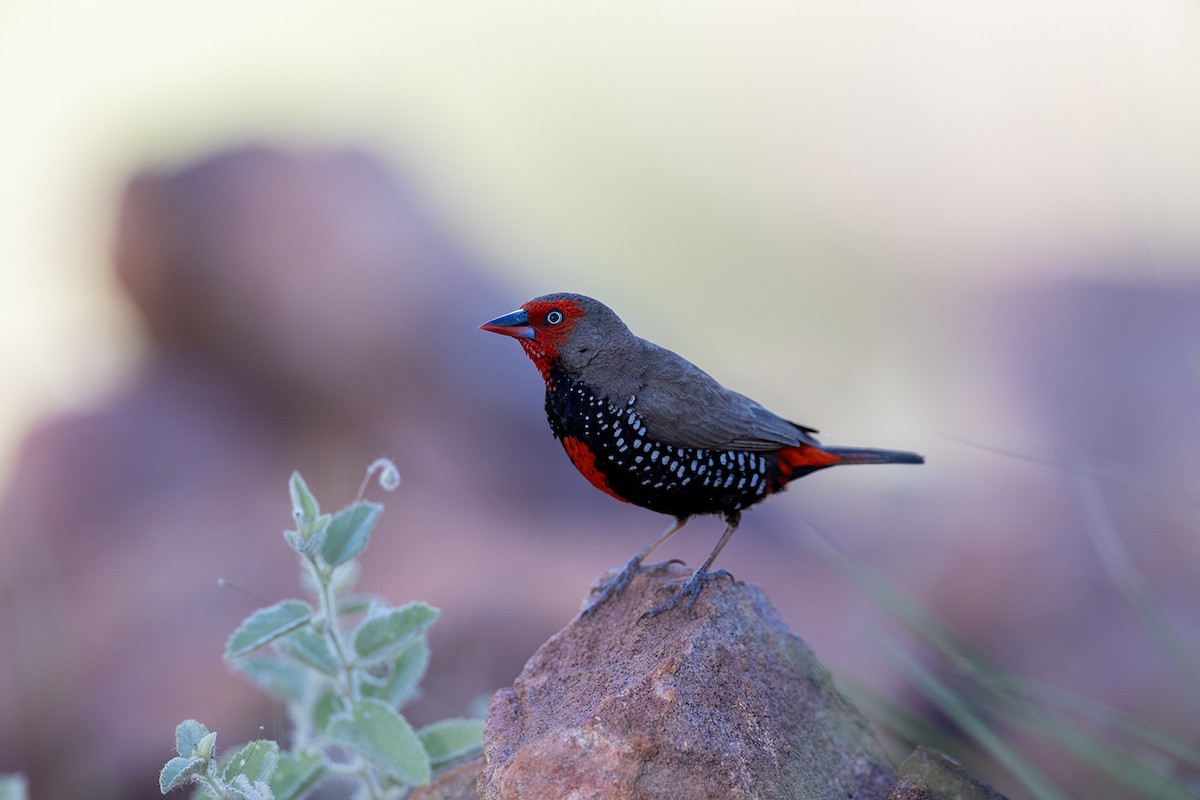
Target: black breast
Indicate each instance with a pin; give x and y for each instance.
(672, 480)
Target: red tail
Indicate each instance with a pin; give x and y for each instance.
(795, 462)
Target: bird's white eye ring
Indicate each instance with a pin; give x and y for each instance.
(554, 317)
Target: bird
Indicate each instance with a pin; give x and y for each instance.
(648, 427)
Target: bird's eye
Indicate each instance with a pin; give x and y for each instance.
(554, 317)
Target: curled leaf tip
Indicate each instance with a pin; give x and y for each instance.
(389, 476)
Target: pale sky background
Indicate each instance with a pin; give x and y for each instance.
(704, 163)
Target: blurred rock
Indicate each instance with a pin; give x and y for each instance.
(722, 703)
(302, 312)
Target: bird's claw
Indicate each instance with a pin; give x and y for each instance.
(689, 589)
(613, 586)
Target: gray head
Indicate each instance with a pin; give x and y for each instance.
(567, 330)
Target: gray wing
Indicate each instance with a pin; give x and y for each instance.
(683, 405)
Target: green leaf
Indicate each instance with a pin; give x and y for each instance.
(349, 532)
(206, 747)
(344, 577)
(304, 506)
(382, 636)
(266, 625)
(202, 792)
(399, 686)
(356, 603)
(255, 760)
(296, 774)
(385, 738)
(179, 771)
(282, 677)
(188, 735)
(309, 647)
(242, 788)
(450, 739)
(323, 710)
(14, 787)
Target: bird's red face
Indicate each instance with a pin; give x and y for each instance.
(541, 326)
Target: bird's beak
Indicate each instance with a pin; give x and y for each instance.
(515, 324)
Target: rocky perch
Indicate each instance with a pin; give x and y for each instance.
(724, 702)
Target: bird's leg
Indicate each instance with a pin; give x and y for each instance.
(692, 587)
(617, 583)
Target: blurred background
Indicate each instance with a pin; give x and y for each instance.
(238, 239)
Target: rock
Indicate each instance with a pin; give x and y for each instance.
(456, 783)
(930, 775)
(723, 702)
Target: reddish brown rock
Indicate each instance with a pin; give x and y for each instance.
(456, 783)
(722, 703)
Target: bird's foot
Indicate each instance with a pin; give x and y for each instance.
(689, 590)
(613, 586)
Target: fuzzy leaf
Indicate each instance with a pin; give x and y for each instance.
(344, 577)
(188, 735)
(266, 625)
(399, 686)
(356, 603)
(255, 761)
(296, 774)
(14, 787)
(384, 635)
(349, 532)
(304, 506)
(309, 647)
(179, 771)
(241, 788)
(206, 747)
(325, 707)
(385, 738)
(279, 676)
(450, 739)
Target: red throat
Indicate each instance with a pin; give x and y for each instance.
(542, 349)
